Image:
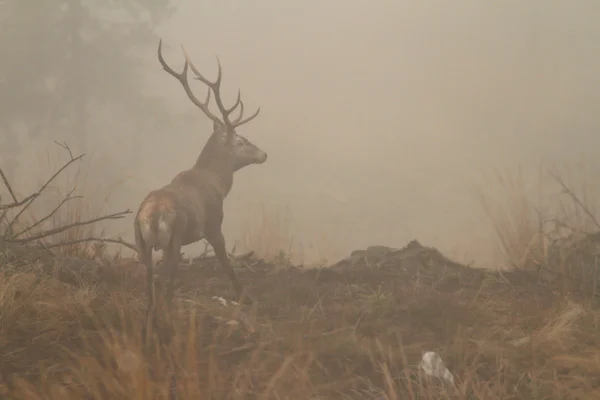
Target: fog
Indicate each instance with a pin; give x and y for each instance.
(377, 116)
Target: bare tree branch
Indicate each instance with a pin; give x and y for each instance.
(65, 146)
(15, 203)
(44, 219)
(10, 190)
(8, 237)
(18, 203)
(54, 231)
(45, 185)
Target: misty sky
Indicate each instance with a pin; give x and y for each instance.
(378, 116)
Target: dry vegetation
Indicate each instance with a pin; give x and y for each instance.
(71, 321)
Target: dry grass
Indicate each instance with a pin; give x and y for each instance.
(515, 217)
(353, 331)
(268, 231)
(344, 333)
(530, 212)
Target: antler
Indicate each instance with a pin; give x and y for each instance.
(182, 78)
(216, 87)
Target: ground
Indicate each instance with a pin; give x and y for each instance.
(71, 329)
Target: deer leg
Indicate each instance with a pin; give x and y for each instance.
(146, 258)
(172, 258)
(217, 241)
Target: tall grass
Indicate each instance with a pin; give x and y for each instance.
(268, 231)
(529, 211)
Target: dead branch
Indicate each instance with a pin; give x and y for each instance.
(207, 256)
(7, 184)
(204, 257)
(93, 239)
(8, 237)
(245, 256)
(18, 203)
(45, 185)
(68, 197)
(207, 250)
(65, 146)
(3, 218)
(574, 197)
(60, 229)
(15, 203)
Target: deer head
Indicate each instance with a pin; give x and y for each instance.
(224, 144)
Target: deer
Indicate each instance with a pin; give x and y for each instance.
(190, 207)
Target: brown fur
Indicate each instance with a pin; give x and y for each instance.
(190, 207)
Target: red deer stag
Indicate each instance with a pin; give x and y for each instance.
(190, 208)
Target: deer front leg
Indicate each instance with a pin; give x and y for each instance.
(217, 241)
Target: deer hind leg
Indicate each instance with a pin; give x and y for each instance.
(150, 310)
(171, 260)
(145, 254)
(217, 241)
(171, 257)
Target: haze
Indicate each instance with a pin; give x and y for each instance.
(377, 116)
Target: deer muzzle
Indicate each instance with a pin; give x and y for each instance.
(262, 157)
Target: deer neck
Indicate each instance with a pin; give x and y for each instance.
(219, 161)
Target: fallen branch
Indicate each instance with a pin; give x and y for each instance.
(207, 250)
(93, 239)
(241, 257)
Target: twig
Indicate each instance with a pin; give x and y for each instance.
(561, 224)
(44, 186)
(245, 256)
(65, 146)
(574, 197)
(41, 221)
(18, 203)
(206, 250)
(51, 232)
(249, 267)
(2, 218)
(94, 239)
(10, 190)
(9, 238)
